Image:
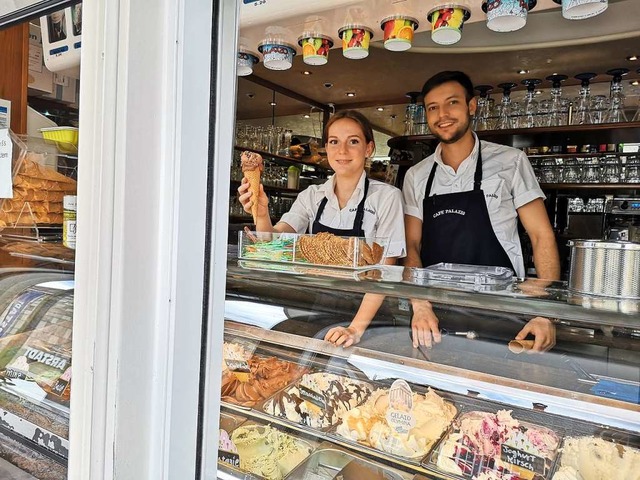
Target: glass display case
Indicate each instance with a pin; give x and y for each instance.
(474, 406)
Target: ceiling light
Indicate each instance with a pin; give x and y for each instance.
(635, 83)
(632, 58)
(380, 109)
(350, 94)
(306, 115)
(523, 71)
(306, 72)
(538, 92)
(273, 104)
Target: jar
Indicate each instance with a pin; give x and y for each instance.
(69, 210)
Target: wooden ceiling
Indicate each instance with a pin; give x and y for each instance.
(383, 78)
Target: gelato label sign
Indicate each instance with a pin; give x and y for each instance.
(522, 459)
(238, 365)
(312, 397)
(400, 411)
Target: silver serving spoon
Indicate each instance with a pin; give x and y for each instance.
(471, 334)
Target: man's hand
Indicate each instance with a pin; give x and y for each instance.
(345, 336)
(424, 325)
(544, 332)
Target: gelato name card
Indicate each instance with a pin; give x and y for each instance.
(400, 411)
(519, 458)
(312, 397)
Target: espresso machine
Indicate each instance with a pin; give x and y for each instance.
(621, 219)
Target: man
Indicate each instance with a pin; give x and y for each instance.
(462, 204)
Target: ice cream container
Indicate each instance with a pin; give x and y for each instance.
(506, 15)
(315, 48)
(446, 23)
(398, 32)
(581, 9)
(277, 55)
(355, 41)
(245, 62)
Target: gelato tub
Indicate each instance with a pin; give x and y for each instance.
(245, 62)
(446, 23)
(355, 41)
(487, 445)
(398, 32)
(371, 424)
(315, 48)
(262, 450)
(592, 458)
(318, 400)
(277, 55)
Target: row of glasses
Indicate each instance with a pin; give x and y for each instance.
(270, 138)
(278, 206)
(555, 110)
(608, 169)
(593, 205)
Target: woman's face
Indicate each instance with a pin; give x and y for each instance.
(347, 148)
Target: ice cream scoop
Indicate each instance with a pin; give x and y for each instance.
(252, 167)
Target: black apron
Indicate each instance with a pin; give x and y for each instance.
(356, 231)
(456, 227)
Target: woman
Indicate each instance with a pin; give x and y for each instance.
(348, 205)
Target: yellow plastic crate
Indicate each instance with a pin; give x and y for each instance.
(66, 138)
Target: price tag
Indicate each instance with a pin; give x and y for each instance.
(522, 459)
(400, 411)
(312, 397)
(6, 151)
(241, 366)
(230, 458)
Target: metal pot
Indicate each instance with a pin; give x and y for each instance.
(604, 267)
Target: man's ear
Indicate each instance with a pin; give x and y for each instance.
(473, 106)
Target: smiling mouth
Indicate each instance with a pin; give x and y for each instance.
(445, 124)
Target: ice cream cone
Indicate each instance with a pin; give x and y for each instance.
(254, 187)
(519, 346)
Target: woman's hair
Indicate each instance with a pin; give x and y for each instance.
(357, 117)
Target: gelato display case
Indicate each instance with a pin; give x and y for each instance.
(295, 406)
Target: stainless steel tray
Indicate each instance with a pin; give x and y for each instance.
(332, 463)
(461, 273)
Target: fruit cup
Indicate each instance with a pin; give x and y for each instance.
(398, 32)
(277, 55)
(355, 41)
(245, 62)
(446, 23)
(315, 48)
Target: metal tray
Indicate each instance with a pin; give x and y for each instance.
(415, 461)
(332, 463)
(462, 273)
(263, 405)
(524, 417)
(242, 474)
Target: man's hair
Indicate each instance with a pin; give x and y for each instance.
(449, 76)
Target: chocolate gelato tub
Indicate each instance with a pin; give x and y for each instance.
(318, 399)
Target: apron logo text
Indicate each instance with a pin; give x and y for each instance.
(449, 211)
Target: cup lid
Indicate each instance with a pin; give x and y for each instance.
(354, 25)
(275, 42)
(306, 35)
(400, 16)
(467, 12)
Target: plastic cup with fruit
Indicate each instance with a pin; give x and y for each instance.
(315, 48)
(446, 23)
(398, 32)
(355, 41)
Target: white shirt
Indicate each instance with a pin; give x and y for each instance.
(508, 183)
(383, 216)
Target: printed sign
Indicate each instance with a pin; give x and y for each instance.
(400, 411)
(312, 397)
(18, 305)
(522, 459)
(6, 151)
(35, 433)
(230, 458)
(238, 366)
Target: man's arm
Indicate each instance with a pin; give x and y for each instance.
(424, 323)
(535, 220)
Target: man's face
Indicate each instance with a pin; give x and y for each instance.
(448, 113)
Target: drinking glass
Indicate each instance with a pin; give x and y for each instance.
(599, 107)
(558, 108)
(481, 118)
(505, 121)
(615, 113)
(571, 171)
(582, 110)
(591, 171)
(530, 108)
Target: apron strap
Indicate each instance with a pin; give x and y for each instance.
(431, 177)
(477, 177)
(357, 223)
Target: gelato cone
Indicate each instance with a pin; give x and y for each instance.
(519, 346)
(252, 169)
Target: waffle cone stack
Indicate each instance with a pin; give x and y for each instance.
(252, 169)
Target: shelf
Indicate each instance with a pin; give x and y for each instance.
(526, 137)
(282, 159)
(577, 154)
(267, 188)
(590, 186)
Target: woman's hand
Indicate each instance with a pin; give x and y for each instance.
(424, 325)
(345, 336)
(244, 197)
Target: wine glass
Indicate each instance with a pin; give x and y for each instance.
(616, 114)
(505, 121)
(481, 118)
(530, 109)
(582, 110)
(556, 115)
